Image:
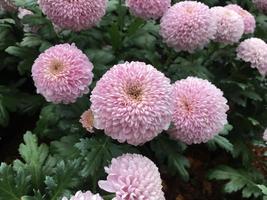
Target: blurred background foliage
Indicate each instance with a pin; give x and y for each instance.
(58, 157)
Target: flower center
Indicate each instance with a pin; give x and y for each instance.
(56, 67)
(134, 92)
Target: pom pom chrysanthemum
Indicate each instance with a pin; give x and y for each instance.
(133, 176)
(7, 5)
(75, 15)
(254, 51)
(187, 25)
(132, 103)
(261, 5)
(230, 25)
(62, 73)
(149, 9)
(84, 196)
(199, 111)
(248, 18)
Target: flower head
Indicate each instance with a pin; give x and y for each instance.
(75, 15)
(265, 136)
(230, 25)
(87, 121)
(248, 18)
(199, 110)
(62, 73)
(254, 51)
(132, 102)
(149, 9)
(187, 25)
(7, 5)
(261, 5)
(84, 196)
(133, 176)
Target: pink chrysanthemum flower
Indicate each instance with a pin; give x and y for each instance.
(62, 73)
(248, 18)
(261, 5)
(87, 121)
(84, 196)
(7, 5)
(254, 51)
(199, 111)
(133, 176)
(265, 136)
(149, 9)
(230, 25)
(132, 102)
(187, 25)
(75, 15)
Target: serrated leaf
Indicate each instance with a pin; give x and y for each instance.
(222, 142)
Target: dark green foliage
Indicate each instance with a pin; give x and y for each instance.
(71, 159)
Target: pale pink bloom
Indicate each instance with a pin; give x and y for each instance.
(87, 121)
(248, 18)
(254, 51)
(62, 73)
(26, 27)
(199, 111)
(132, 103)
(265, 136)
(8, 5)
(187, 26)
(230, 25)
(133, 177)
(149, 9)
(84, 196)
(75, 15)
(261, 5)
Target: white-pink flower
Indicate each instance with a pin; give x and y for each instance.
(62, 73)
(132, 103)
(133, 177)
(199, 111)
(149, 9)
(187, 26)
(230, 25)
(261, 5)
(248, 18)
(75, 15)
(254, 51)
(84, 196)
(265, 136)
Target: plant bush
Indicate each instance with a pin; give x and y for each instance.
(57, 156)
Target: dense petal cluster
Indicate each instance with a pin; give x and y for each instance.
(199, 111)
(84, 196)
(230, 25)
(187, 25)
(248, 18)
(87, 121)
(75, 15)
(7, 5)
(254, 51)
(149, 9)
(62, 73)
(265, 136)
(261, 5)
(133, 176)
(132, 102)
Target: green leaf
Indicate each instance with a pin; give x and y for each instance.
(36, 159)
(13, 183)
(65, 177)
(31, 41)
(170, 151)
(4, 116)
(222, 142)
(237, 180)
